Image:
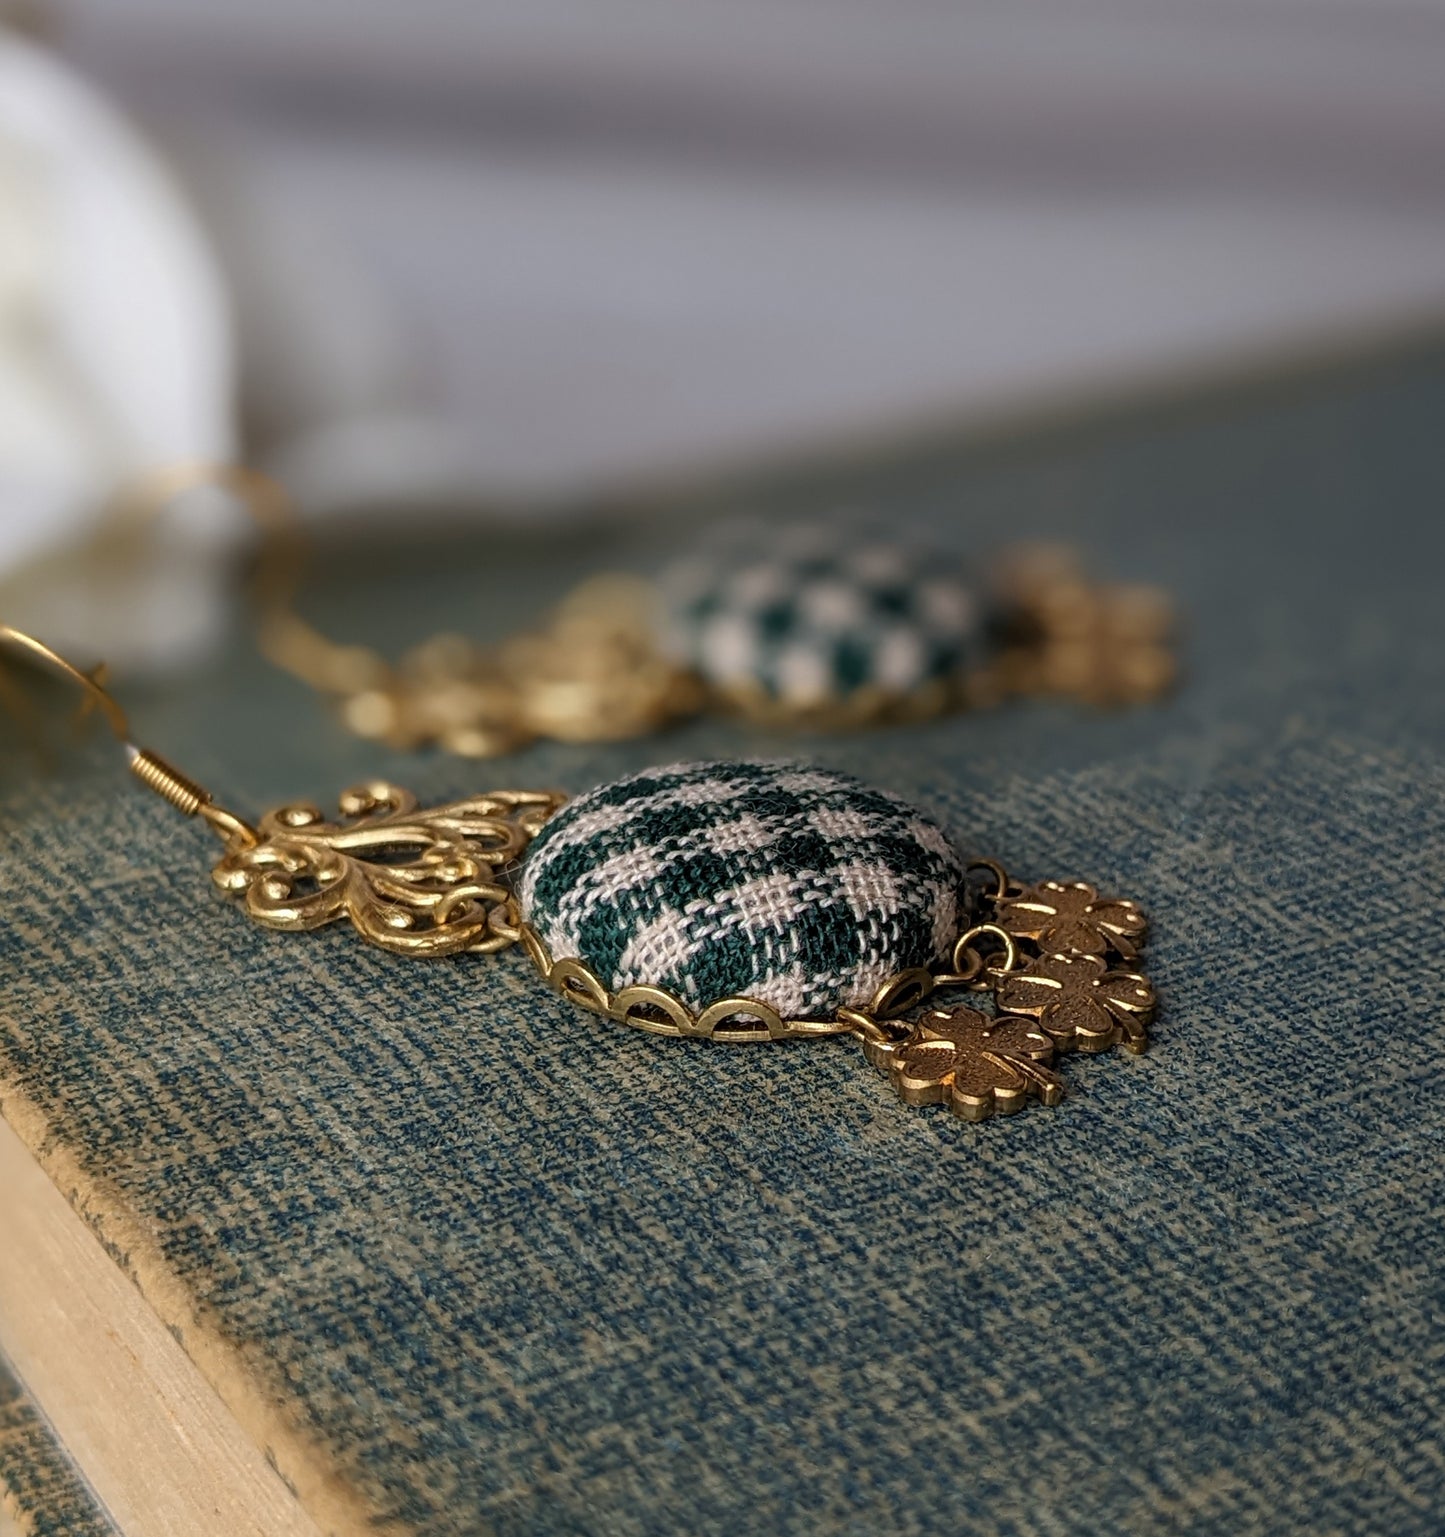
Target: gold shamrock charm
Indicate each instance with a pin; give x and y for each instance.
(1078, 1004)
(979, 1064)
(1073, 920)
(1069, 636)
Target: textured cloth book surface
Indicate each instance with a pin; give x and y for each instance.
(465, 1259)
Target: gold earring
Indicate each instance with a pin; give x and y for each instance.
(799, 626)
(741, 902)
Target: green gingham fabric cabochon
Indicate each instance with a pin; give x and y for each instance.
(808, 614)
(797, 886)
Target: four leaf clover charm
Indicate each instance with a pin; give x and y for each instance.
(979, 1064)
(1078, 1004)
(1064, 980)
(1073, 920)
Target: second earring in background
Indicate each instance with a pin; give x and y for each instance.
(810, 625)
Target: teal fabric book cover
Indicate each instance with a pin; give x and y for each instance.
(465, 1259)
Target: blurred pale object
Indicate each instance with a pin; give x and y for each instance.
(633, 240)
(115, 355)
(332, 381)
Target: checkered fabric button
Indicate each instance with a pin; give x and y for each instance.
(811, 623)
(796, 886)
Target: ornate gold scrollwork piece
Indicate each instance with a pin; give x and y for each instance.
(415, 882)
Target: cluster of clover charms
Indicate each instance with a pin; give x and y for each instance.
(1063, 978)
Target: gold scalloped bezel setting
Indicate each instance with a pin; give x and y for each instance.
(654, 1009)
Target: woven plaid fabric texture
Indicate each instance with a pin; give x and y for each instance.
(810, 622)
(797, 886)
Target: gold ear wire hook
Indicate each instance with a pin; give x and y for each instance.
(180, 790)
(90, 682)
(285, 637)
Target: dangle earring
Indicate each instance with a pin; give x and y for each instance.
(727, 901)
(794, 626)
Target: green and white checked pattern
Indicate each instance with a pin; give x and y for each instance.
(797, 886)
(819, 617)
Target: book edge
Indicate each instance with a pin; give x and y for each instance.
(299, 1460)
(29, 1442)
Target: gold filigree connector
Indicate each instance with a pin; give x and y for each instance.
(415, 882)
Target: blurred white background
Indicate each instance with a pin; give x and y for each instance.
(539, 250)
